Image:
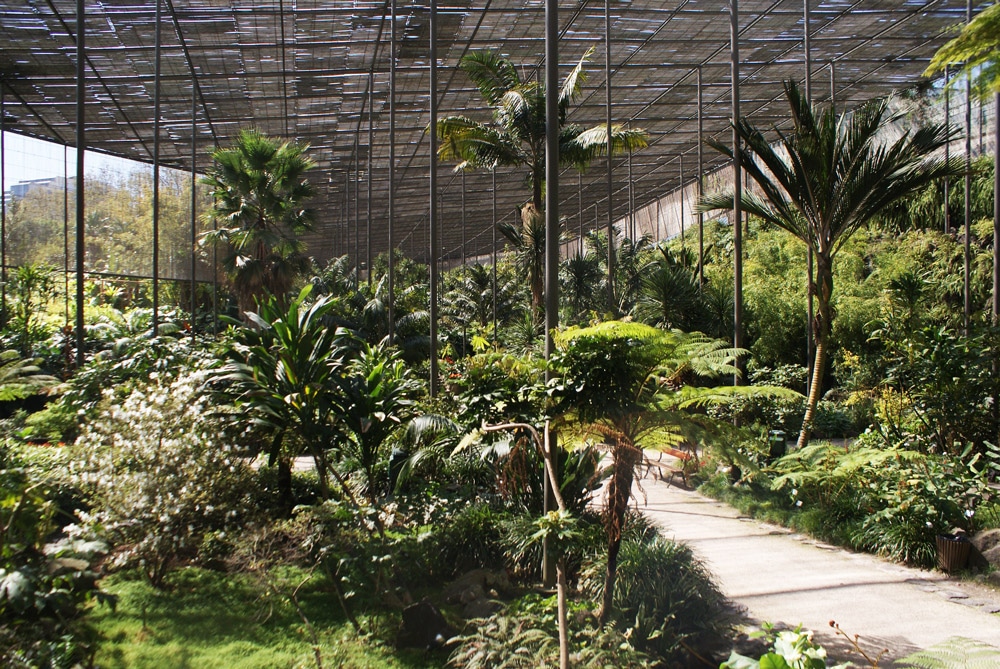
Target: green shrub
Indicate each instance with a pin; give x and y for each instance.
(158, 478)
(665, 601)
(525, 635)
(467, 539)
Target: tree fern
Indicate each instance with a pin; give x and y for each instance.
(955, 652)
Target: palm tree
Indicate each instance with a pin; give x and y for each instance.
(259, 190)
(826, 179)
(516, 138)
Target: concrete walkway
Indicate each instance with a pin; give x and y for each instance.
(780, 577)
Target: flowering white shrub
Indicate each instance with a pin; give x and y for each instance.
(157, 476)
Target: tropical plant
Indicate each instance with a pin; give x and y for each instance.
(823, 181)
(516, 138)
(32, 286)
(259, 192)
(977, 48)
(670, 296)
(665, 601)
(286, 371)
(581, 282)
(627, 384)
(21, 377)
(376, 392)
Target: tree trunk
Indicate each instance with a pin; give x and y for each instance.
(822, 326)
(624, 457)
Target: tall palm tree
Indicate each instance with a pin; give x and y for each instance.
(259, 190)
(826, 179)
(516, 138)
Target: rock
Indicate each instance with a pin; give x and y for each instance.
(986, 540)
(423, 627)
(476, 584)
(992, 556)
(481, 608)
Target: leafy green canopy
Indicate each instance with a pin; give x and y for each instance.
(977, 48)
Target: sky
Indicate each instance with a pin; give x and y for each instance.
(26, 158)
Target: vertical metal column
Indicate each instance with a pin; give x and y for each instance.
(81, 89)
(432, 224)
(807, 49)
(612, 307)
(967, 285)
(194, 205)
(3, 207)
(947, 149)
(631, 202)
(734, 52)
(392, 171)
(579, 197)
(551, 241)
(996, 209)
(65, 231)
(496, 339)
(356, 179)
(701, 187)
(810, 260)
(156, 173)
(680, 170)
(833, 86)
(371, 130)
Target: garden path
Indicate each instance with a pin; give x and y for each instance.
(778, 576)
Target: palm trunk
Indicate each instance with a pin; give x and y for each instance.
(624, 458)
(561, 604)
(822, 326)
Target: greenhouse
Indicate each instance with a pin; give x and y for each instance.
(401, 312)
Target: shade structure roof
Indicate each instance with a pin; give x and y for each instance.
(318, 71)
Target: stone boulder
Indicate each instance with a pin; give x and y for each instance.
(987, 547)
(423, 627)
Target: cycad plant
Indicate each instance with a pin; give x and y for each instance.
(259, 191)
(516, 138)
(824, 180)
(286, 371)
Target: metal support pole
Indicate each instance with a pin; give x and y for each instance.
(701, 187)
(81, 90)
(947, 149)
(551, 242)
(734, 27)
(833, 86)
(996, 209)
(432, 224)
(631, 202)
(496, 339)
(579, 197)
(810, 260)
(65, 232)
(612, 306)
(3, 207)
(194, 206)
(392, 171)
(156, 172)
(680, 170)
(967, 284)
(807, 49)
(371, 130)
(356, 179)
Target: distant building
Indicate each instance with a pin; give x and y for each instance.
(22, 188)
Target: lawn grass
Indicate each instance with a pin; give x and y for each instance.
(209, 620)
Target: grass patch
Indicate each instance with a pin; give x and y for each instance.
(211, 620)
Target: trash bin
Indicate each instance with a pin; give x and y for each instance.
(777, 446)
